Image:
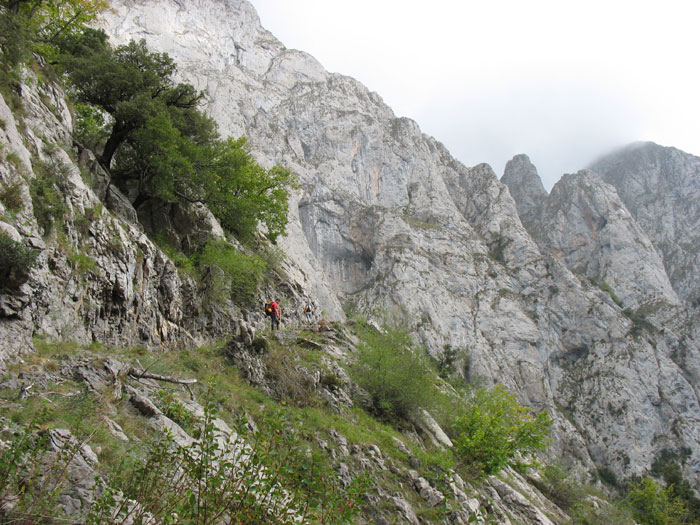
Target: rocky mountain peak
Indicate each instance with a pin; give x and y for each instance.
(661, 188)
(525, 186)
(585, 222)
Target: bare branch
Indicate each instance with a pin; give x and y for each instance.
(138, 374)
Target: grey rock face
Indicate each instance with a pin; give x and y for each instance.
(525, 186)
(584, 222)
(98, 277)
(661, 187)
(386, 218)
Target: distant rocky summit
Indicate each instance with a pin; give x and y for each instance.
(661, 188)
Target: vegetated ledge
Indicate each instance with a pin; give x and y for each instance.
(332, 449)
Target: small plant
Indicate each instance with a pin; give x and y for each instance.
(494, 428)
(181, 261)
(47, 200)
(83, 263)
(13, 159)
(331, 380)
(11, 196)
(607, 288)
(176, 411)
(560, 488)
(446, 361)
(16, 261)
(229, 272)
(82, 222)
(639, 322)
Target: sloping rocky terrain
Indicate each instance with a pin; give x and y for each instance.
(581, 307)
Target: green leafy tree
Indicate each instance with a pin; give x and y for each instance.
(494, 428)
(162, 146)
(40, 25)
(132, 84)
(244, 194)
(653, 504)
(394, 373)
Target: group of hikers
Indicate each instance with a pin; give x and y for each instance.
(273, 309)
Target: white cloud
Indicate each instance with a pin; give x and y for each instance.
(561, 81)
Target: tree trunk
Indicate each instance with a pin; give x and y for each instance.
(119, 134)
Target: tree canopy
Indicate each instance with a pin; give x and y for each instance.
(40, 24)
(161, 145)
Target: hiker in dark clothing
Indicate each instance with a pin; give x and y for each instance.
(309, 312)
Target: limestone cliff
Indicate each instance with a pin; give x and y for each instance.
(385, 220)
(526, 187)
(584, 222)
(661, 188)
(388, 219)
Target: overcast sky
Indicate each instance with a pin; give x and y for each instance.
(561, 81)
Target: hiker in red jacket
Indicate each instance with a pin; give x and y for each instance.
(276, 314)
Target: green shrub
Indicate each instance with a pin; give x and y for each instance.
(653, 504)
(180, 260)
(494, 428)
(260, 345)
(31, 478)
(560, 488)
(16, 261)
(83, 263)
(11, 196)
(331, 380)
(590, 512)
(47, 199)
(668, 466)
(176, 411)
(268, 477)
(229, 272)
(394, 373)
(83, 222)
(608, 476)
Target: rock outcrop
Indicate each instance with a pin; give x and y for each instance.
(661, 188)
(526, 187)
(584, 223)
